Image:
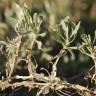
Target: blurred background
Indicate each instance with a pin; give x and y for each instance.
(52, 12)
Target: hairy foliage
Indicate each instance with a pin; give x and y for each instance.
(21, 49)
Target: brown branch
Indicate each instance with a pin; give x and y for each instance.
(85, 91)
(55, 85)
(30, 84)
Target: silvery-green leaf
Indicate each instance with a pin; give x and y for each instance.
(94, 37)
(64, 26)
(84, 37)
(11, 21)
(42, 34)
(35, 17)
(18, 10)
(46, 90)
(89, 39)
(66, 19)
(56, 35)
(39, 44)
(76, 28)
(72, 57)
(66, 59)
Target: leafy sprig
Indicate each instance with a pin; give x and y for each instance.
(63, 34)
